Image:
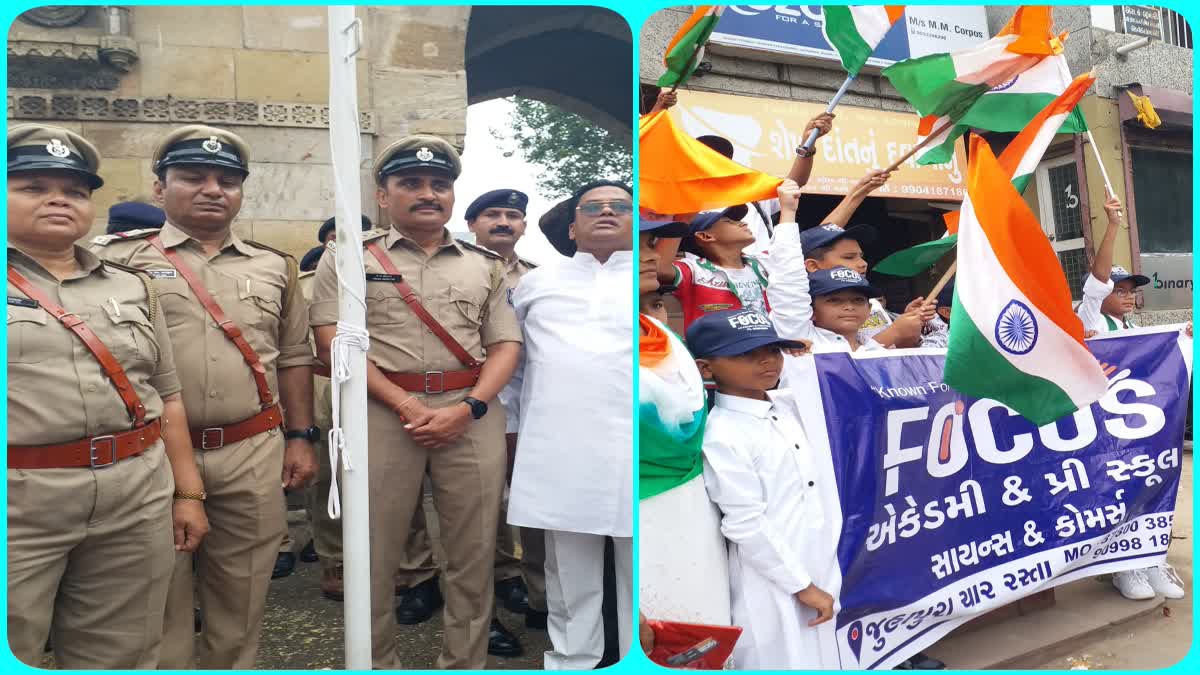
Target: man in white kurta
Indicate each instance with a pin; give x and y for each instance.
(573, 475)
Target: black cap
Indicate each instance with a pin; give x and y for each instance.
(330, 224)
(827, 234)
(556, 225)
(705, 220)
(200, 144)
(506, 198)
(41, 147)
(834, 279)
(127, 216)
(731, 333)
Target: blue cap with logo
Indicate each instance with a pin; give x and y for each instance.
(1120, 274)
(733, 332)
(827, 234)
(705, 220)
(506, 198)
(834, 279)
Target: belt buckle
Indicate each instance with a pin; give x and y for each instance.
(112, 448)
(441, 382)
(220, 442)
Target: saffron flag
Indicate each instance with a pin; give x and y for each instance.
(687, 47)
(854, 31)
(1014, 338)
(678, 174)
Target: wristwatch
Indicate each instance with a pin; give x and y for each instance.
(311, 434)
(802, 151)
(478, 408)
(198, 496)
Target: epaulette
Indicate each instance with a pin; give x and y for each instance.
(530, 265)
(305, 275)
(106, 239)
(373, 233)
(264, 247)
(480, 249)
(125, 268)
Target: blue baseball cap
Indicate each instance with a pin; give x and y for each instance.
(1119, 274)
(732, 332)
(661, 225)
(834, 279)
(705, 220)
(825, 235)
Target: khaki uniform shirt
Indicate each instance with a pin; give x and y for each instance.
(463, 287)
(251, 284)
(57, 391)
(516, 269)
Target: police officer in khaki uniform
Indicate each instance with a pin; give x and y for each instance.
(97, 431)
(237, 320)
(497, 218)
(430, 390)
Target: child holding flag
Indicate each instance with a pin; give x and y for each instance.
(1109, 296)
(760, 470)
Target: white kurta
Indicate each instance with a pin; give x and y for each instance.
(574, 422)
(791, 305)
(760, 470)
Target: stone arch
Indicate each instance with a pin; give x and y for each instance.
(550, 54)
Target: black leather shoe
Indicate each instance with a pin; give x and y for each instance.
(197, 622)
(419, 603)
(308, 554)
(513, 595)
(501, 642)
(284, 564)
(535, 619)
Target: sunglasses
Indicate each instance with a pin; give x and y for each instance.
(596, 208)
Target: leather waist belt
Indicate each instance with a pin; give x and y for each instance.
(213, 438)
(92, 453)
(431, 382)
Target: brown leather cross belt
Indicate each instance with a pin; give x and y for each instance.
(432, 382)
(213, 438)
(92, 453)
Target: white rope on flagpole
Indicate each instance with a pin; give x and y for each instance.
(348, 359)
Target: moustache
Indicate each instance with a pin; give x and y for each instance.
(429, 205)
(501, 229)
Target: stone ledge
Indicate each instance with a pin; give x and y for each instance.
(28, 104)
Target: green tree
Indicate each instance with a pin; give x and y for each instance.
(570, 150)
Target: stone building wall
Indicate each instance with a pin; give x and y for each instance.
(261, 72)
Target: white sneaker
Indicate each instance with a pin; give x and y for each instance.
(1165, 580)
(1133, 585)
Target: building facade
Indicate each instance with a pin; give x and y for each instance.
(767, 70)
(123, 76)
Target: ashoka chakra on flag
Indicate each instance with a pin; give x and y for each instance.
(1016, 329)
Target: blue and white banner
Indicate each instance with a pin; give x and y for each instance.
(952, 506)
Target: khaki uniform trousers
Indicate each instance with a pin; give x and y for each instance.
(235, 560)
(467, 479)
(90, 553)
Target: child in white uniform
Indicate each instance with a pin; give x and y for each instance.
(760, 471)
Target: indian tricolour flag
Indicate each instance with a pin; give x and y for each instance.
(854, 31)
(1009, 106)
(671, 411)
(687, 47)
(1014, 337)
(1019, 160)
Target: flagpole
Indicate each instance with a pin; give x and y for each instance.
(932, 135)
(348, 359)
(943, 281)
(812, 135)
(1103, 172)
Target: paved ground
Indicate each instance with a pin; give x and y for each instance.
(303, 630)
(1158, 640)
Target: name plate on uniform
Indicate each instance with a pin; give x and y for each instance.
(23, 302)
(162, 274)
(385, 277)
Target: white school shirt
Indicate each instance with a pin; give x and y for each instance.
(1094, 293)
(791, 305)
(574, 464)
(760, 471)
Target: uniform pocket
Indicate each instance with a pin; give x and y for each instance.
(264, 300)
(386, 309)
(27, 334)
(133, 334)
(466, 310)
